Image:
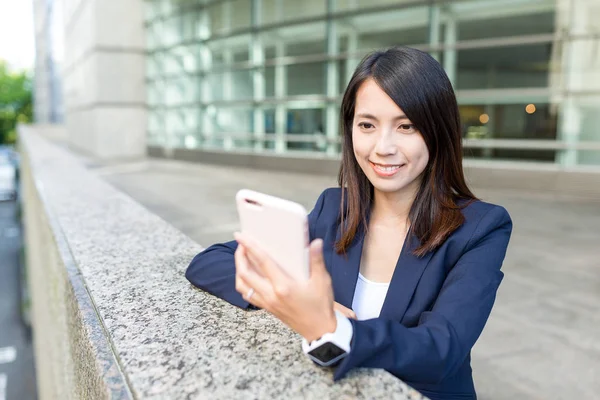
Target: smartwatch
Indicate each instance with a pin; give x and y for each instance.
(331, 347)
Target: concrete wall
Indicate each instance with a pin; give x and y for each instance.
(103, 76)
(72, 354)
(114, 317)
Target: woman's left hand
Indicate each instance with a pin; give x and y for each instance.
(306, 307)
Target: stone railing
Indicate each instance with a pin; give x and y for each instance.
(114, 317)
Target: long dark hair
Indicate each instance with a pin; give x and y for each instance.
(418, 84)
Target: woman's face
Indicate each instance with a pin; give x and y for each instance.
(387, 146)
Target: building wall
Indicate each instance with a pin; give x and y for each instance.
(268, 74)
(101, 77)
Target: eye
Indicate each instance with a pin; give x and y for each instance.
(407, 128)
(366, 126)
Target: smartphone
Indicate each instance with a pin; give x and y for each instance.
(280, 228)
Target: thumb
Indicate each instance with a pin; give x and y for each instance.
(317, 264)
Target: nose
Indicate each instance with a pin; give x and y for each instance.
(386, 145)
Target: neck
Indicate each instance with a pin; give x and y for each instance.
(393, 208)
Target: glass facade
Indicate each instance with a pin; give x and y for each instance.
(267, 75)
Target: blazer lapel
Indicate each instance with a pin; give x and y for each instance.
(407, 274)
(345, 268)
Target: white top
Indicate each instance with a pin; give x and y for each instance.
(368, 298)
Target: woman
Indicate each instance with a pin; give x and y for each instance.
(403, 245)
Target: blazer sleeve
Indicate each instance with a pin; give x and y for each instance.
(213, 270)
(444, 336)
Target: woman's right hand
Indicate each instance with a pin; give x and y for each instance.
(345, 311)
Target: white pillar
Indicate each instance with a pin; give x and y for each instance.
(257, 55)
(352, 61)
(331, 111)
(280, 92)
(578, 119)
(434, 29)
(208, 111)
(228, 142)
(449, 42)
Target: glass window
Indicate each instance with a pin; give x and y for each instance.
(301, 124)
(155, 92)
(511, 25)
(231, 85)
(233, 120)
(588, 157)
(225, 52)
(269, 81)
(367, 32)
(509, 121)
(156, 8)
(487, 19)
(167, 31)
(190, 25)
(174, 61)
(295, 40)
(269, 120)
(579, 122)
(155, 121)
(504, 67)
(153, 66)
(180, 90)
(227, 16)
(176, 124)
(306, 79)
(274, 11)
(582, 69)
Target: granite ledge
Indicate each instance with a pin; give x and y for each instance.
(169, 339)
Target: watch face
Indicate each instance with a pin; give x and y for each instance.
(326, 352)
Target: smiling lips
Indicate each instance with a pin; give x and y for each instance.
(386, 170)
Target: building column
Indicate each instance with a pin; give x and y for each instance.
(257, 55)
(106, 114)
(280, 93)
(434, 30)
(332, 82)
(579, 87)
(207, 110)
(450, 37)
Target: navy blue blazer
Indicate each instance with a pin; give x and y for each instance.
(435, 308)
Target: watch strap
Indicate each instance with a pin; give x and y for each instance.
(341, 337)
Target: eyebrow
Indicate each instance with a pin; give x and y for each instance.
(371, 116)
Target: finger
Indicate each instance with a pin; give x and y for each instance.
(317, 264)
(261, 260)
(344, 310)
(253, 261)
(248, 276)
(244, 289)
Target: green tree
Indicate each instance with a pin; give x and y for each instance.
(16, 102)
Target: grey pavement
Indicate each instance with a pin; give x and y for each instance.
(17, 371)
(541, 341)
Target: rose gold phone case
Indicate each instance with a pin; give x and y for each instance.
(280, 227)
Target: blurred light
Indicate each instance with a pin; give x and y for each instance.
(190, 142)
(530, 108)
(484, 118)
